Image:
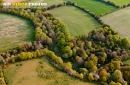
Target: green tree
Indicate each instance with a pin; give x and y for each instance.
(117, 75)
(23, 56)
(114, 65)
(104, 78)
(38, 53)
(84, 71)
(67, 50)
(67, 66)
(89, 64)
(113, 83)
(94, 59)
(126, 43)
(89, 44)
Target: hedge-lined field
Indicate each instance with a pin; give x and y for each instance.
(121, 2)
(20, 74)
(120, 21)
(95, 6)
(14, 30)
(77, 21)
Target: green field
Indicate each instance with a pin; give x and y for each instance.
(127, 62)
(77, 21)
(95, 6)
(14, 30)
(121, 2)
(22, 75)
(120, 21)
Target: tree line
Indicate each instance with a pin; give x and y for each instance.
(97, 55)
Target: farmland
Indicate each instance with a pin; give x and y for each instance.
(77, 21)
(94, 54)
(95, 6)
(120, 21)
(20, 74)
(14, 30)
(127, 62)
(121, 2)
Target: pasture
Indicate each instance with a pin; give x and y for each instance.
(77, 21)
(14, 30)
(127, 62)
(95, 6)
(120, 21)
(25, 73)
(121, 2)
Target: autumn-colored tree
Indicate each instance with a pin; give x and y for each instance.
(81, 76)
(38, 53)
(94, 59)
(79, 60)
(90, 77)
(58, 60)
(67, 66)
(102, 73)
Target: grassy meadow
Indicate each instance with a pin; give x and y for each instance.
(95, 6)
(77, 21)
(14, 30)
(121, 2)
(127, 62)
(120, 21)
(25, 73)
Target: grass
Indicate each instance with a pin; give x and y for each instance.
(121, 2)
(127, 62)
(95, 6)
(77, 21)
(120, 21)
(27, 74)
(14, 30)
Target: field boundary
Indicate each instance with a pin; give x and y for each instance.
(114, 4)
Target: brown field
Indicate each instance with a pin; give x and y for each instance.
(27, 74)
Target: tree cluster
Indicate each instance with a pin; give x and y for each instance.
(96, 57)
